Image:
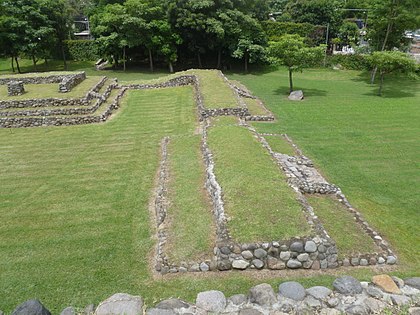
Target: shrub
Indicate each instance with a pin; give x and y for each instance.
(352, 62)
(82, 50)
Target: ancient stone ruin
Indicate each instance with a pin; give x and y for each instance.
(15, 88)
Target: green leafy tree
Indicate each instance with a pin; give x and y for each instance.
(387, 62)
(292, 52)
(349, 33)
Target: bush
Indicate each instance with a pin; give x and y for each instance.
(313, 33)
(352, 62)
(82, 50)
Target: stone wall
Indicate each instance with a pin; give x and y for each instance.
(41, 79)
(346, 295)
(69, 82)
(15, 88)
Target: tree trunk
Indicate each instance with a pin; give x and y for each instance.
(388, 31)
(46, 63)
(17, 64)
(124, 61)
(219, 58)
(381, 84)
(290, 80)
(171, 67)
(13, 65)
(200, 65)
(151, 60)
(63, 53)
(246, 62)
(34, 61)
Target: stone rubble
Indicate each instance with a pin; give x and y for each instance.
(290, 298)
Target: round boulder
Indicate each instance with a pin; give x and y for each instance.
(211, 301)
(292, 290)
(262, 294)
(121, 303)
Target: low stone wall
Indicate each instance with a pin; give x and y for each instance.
(18, 122)
(69, 82)
(54, 78)
(346, 295)
(15, 88)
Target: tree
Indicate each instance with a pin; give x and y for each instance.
(387, 62)
(292, 52)
(316, 12)
(349, 33)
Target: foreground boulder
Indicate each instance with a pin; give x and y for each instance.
(347, 285)
(296, 95)
(31, 307)
(121, 304)
(211, 301)
(292, 290)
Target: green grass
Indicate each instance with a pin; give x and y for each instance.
(254, 107)
(280, 144)
(50, 90)
(368, 145)
(350, 238)
(261, 205)
(191, 234)
(216, 92)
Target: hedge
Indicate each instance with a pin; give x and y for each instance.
(352, 62)
(82, 50)
(314, 33)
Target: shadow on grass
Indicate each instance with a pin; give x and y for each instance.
(284, 90)
(395, 86)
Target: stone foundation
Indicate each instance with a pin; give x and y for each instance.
(15, 88)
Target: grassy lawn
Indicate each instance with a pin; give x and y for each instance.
(191, 229)
(261, 205)
(74, 218)
(350, 238)
(280, 145)
(368, 145)
(255, 107)
(50, 90)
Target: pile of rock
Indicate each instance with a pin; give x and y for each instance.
(384, 294)
(15, 88)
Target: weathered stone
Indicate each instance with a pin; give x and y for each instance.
(260, 253)
(275, 264)
(240, 264)
(330, 311)
(364, 262)
(319, 292)
(414, 311)
(292, 290)
(386, 283)
(347, 285)
(374, 292)
(204, 267)
(247, 254)
(195, 268)
(211, 301)
(296, 247)
(259, 264)
(238, 299)
(333, 302)
(224, 265)
(413, 282)
(398, 281)
(310, 247)
(316, 265)
(250, 311)
(263, 295)
(296, 95)
(400, 300)
(375, 306)
(407, 290)
(391, 260)
(225, 250)
(68, 311)
(346, 262)
(294, 264)
(31, 307)
(121, 303)
(277, 313)
(158, 311)
(311, 302)
(381, 260)
(284, 256)
(303, 257)
(354, 261)
(357, 309)
(172, 304)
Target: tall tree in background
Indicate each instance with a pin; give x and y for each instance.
(292, 52)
